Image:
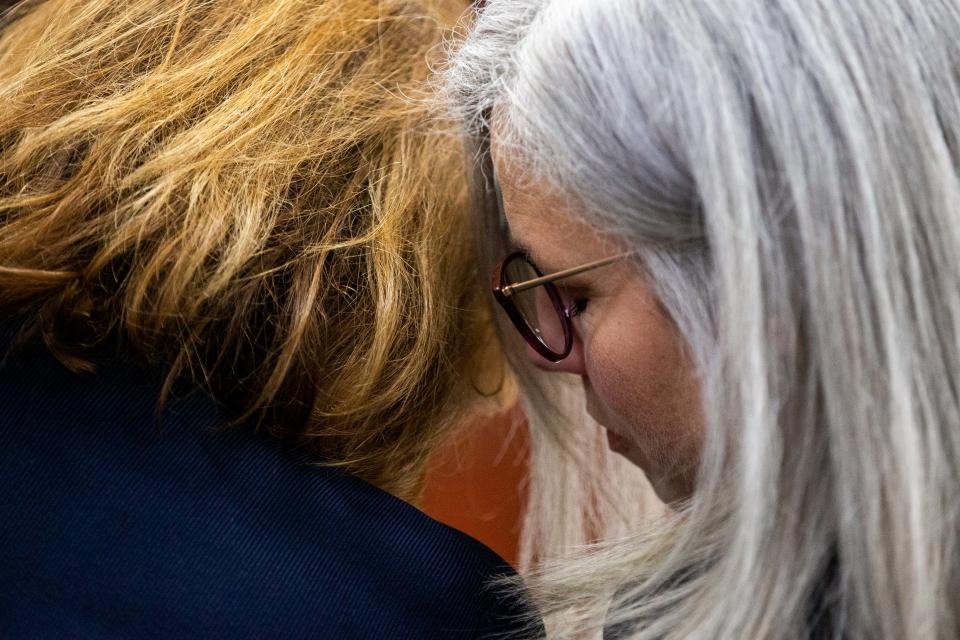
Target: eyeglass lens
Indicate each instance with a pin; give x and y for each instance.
(538, 309)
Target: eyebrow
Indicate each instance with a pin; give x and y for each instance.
(534, 258)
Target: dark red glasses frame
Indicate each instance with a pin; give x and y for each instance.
(502, 292)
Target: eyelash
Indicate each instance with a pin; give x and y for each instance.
(578, 306)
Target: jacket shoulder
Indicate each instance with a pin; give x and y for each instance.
(124, 529)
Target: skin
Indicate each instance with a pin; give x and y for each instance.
(639, 381)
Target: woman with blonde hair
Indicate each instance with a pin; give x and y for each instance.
(234, 282)
(736, 225)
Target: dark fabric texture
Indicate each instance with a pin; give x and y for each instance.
(115, 525)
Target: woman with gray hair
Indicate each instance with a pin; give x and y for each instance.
(737, 222)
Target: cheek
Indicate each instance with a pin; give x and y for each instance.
(642, 381)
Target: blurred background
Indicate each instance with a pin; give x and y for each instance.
(476, 481)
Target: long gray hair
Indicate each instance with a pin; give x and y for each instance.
(787, 171)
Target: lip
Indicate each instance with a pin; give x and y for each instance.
(616, 442)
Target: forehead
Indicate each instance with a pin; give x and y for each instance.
(543, 220)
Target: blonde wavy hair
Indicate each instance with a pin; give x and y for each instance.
(247, 194)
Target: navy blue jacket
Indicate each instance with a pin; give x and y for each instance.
(113, 527)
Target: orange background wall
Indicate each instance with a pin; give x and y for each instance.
(475, 482)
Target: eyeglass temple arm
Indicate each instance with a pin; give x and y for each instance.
(566, 273)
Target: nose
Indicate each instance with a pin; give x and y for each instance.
(573, 363)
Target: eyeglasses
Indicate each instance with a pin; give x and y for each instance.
(534, 304)
(530, 299)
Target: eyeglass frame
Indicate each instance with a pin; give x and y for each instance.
(503, 293)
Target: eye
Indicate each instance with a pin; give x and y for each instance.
(578, 306)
